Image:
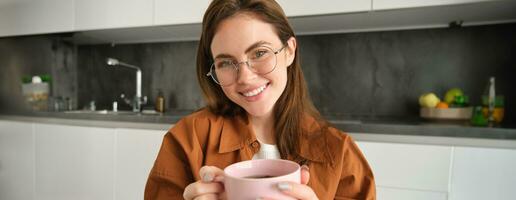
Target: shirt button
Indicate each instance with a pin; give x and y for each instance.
(255, 144)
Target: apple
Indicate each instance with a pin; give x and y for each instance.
(450, 95)
(429, 100)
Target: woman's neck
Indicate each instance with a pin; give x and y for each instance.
(263, 127)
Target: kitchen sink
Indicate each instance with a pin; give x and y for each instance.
(101, 112)
(346, 121)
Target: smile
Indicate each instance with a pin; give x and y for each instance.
(256, 91)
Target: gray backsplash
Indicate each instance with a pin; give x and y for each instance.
(36, 55)
(372, 74)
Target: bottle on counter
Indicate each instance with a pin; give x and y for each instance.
(493, 104)
(160, 102)
(478, 118)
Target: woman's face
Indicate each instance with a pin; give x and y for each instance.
(236, 39)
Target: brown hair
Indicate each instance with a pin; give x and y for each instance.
(292, 105)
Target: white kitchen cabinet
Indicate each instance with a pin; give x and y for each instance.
(409, 166)
(136, 151)
(16, 160)
(106, 14)
(482, 173)
(24, 17)
(173, 12)
(396, 4)
(295, 8)
(384, 193)
(74, 162)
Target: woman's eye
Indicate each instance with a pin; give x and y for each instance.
(224, 64)
(259, 53)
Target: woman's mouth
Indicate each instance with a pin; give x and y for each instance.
(256, 91)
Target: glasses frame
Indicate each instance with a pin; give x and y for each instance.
(237, 65)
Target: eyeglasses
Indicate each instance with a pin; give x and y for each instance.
(261, 60)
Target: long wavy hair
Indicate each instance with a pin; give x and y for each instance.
(293, 104)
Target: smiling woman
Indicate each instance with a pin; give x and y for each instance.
(248, 69)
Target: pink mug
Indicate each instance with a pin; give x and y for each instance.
(248, 180)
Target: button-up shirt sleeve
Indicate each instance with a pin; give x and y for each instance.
(356, 180)
(177, 164)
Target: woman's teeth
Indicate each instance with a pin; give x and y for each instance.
(255, 91)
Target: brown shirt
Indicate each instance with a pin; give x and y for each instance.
(338, 170)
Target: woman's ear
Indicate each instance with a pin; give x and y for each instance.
(290, 50)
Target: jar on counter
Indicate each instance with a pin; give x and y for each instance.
(499, 108)
(160, 102)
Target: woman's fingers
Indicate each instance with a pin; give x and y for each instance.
(207, 197)
(211, 173)
(298, 191)
(208, 187)
(199, 189)
(305, 174)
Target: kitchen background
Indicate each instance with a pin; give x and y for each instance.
(366, 64)
(365, 75)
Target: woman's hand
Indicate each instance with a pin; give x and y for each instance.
(298, 191)
(210, 187)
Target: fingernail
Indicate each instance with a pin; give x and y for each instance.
(218, 178)
(207, 177)
(305, 167)
(284, 186)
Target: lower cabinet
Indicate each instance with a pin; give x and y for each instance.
(74, 162)
(384, 193)
(409, 171)
(16, 160)
(483, 173)
(416, 171)
(58, 162)
(135, 152)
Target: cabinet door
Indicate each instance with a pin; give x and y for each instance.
(16, 160)
(482, 173)
(170, 12)
(102, 14)
(136, 151)
(294, 8)
(394, 4)
(74, 162)
(383, 193)
(24, 17)
(409, 166)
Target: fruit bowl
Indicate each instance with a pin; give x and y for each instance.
(446, 114)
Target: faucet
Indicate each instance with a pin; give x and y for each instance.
(138, 101)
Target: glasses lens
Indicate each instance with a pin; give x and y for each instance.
(225, 71)
(262, 60)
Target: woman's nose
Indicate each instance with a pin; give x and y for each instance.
(245, 73)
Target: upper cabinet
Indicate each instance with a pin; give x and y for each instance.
(107, 14)
(132, 21)
(24, 17)
(168, 12)
(294, 8)
(173, 12)
(395, 4)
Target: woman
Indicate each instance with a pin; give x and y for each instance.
(257, 108)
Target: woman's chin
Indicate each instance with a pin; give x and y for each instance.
(259, 112)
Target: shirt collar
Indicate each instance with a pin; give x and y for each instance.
(237, 133)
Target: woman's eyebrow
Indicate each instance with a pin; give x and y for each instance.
(254, 45)
(223, 55)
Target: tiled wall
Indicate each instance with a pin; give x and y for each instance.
(364, 74)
